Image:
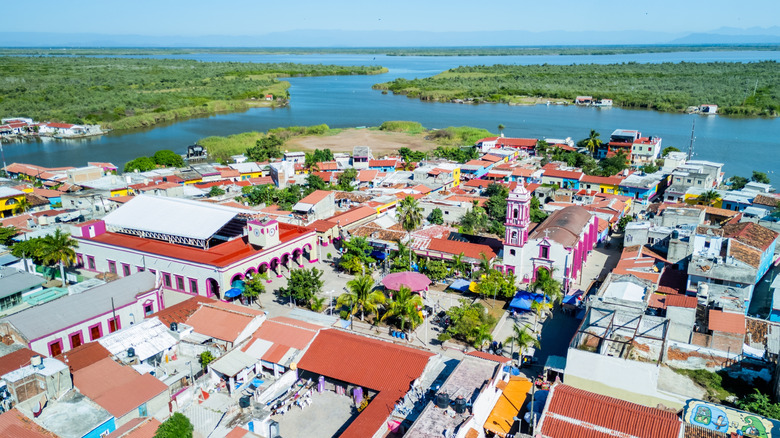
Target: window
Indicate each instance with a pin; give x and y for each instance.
(512, 252)
(179, 282)
(142, 411)
(91, 262)
(152, 271)
(544, 252)
(689, 180)
(707, 244)
(79, 260)
(125, 269)
(148, 309)
(55, 348)
(514, 237)
(167, 280)
(112, 267)
(515, 213)
(114, 324)
(95, 332)
(140, 268)
(76, 339)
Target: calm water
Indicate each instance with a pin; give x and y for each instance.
(744, 144)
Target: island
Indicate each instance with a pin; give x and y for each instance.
(743, 89)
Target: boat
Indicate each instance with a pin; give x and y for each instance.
(603, 103)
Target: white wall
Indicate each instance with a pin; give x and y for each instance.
(629, 375)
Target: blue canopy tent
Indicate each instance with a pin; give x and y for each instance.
(378, 255)
(523, 300)
(236, 289)
(460, 285)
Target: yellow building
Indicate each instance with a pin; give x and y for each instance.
(10, 201)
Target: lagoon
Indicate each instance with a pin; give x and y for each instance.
(744, 144)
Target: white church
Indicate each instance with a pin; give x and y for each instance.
(562, 243)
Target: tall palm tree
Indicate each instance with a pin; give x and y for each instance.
(409, 214)
(593, 142)
(22, 206)
(482, 335)
(361, 296)
(59, 248)
(540, 309)
(709, 197)
(458, 265)
(485, 264)
(406, 307)
(523, 338)
(547, 285)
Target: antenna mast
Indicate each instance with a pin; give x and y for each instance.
(690, 146)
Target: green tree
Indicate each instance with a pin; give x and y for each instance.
(168, 158)
(467, 318)
(436, 217)
(315, 182)
(253, 287)
(709, 197)
(650, 168)
(216, 191)
(542, 148)
(501, 129)
(266, 148)
(357, 255)
(303, 285)
(436, 270)
(205, 359)
(593, 142)
(405, 307)
(317, 304)
(7, 235)
(738, 182)
(540, 310)
(475, 220)
(613, 165)
(458, 266)
(346, 178)
(178, 426)
(759, 177)
(482, 335)
(361, 296)
(760, 404)
(410, 156)
(141, 164)
(523, 338)
(668, 149)
(58, 248)
(537, 215)
(547, 285)
(22, 206)
(409, 214)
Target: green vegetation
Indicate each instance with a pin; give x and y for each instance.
(254, 286)
(760, 404)
(409, 214)
(50, 250)
(162, 158)
(711, 382)
(750, 89)
(266, 148)
(205, 359)
(122, 93)
(402, 126)
(303, 285)
(739, 182)
(178, 426)
(404, 307)
(346, 178)
(357, 255)
(522, 337)
(459, 135)
(268, 194)
(668, 149)
(471, 323)
(436, 217)
(7, 235)
(361, 297)
(221, 148)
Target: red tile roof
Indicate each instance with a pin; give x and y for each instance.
(477, 183)
(353, 215)
(275, 353)
(84, 355)
(326, 166)
(606, 180)
(15, 424)
(261, 180)
(371, 363)
(218, 323)
(492, 158)
(116, 388)
(488, 356)
(390, 162)
(455, 247)
(728, 322)
(367, 175)
(511, 142)
(573, 412)
(284, 332)
(681, 301)
(567, 174)
(142, 427)
(479, 163)
(179, 313)
(315, 197)
(15, 360)
(220, 255)
(751, 234)
(59, 125)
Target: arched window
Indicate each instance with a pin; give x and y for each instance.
(515, 212)
(514, 236)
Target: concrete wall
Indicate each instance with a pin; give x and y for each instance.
(451, 212)
(697, 355)
(153, 406)
(681, 321)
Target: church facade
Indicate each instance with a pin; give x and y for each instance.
(561, 244)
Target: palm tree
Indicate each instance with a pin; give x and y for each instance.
(485, 264)
(58, 248)
(458, 265)
(409, 214)
(523, 338)
(540, 309)
(317, 304)
(709, 197)
(501, 129)
(547, 285)
(405, 306)
(482, 335)
(22, 206)
(593, 142)
(360, 296)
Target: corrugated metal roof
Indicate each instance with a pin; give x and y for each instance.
(573, 412)
(175, 216)
(13, 281)
(56, 315)
(233, 363)
(148, 338)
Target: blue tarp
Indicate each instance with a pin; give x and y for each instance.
(573, 299)
(232, 293)
(379, 255)
(523, 300)
(460, 285)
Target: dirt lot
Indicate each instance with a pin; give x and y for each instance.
(381, 142)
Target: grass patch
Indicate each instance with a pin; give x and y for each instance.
(402, 126)
(711, 382)
(221, 148)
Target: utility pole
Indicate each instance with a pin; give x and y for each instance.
(690, 146)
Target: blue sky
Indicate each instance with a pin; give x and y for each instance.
(257, 17)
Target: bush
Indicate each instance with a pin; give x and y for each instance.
(402, 126)
(444, 337)
(178, 426)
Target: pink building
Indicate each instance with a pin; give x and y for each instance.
(562, 243)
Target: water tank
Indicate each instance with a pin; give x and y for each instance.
(704, 290)
(460, 404)
(174, 327)
(675, 234)
(243, 402)
(131, 352)
(442, 400)
(36, 361)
